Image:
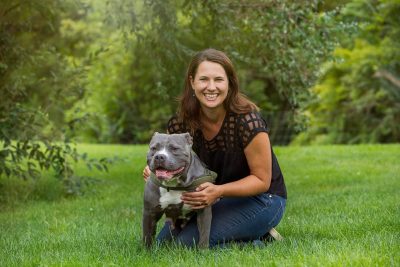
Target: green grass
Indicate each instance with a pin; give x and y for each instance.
(343, 209)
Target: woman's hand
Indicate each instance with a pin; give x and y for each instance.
(206, 194)
(146, 173)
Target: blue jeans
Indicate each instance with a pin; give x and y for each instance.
(235, 219)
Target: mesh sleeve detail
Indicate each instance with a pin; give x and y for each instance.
(174, 126)
(250, 125)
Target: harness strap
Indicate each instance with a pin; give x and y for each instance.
(208, 176)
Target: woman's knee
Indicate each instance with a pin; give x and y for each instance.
(189, 236)
(186, 241)
(166, 233)
(280, 208)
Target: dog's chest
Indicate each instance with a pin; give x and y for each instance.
(172, 197)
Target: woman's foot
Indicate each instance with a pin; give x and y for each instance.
(272, 235)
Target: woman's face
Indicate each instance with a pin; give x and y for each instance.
(210, 85)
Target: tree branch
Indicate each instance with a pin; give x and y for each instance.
(10, 9)
(388, 76)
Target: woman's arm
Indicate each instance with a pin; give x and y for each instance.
(259, 159)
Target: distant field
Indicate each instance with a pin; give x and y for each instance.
(343, 210)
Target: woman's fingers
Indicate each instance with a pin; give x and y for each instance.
(203, 186)
(195, 200)
(198, 207)
(197, 204)
(146, 173)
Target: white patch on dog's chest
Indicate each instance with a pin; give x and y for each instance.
(171, 197)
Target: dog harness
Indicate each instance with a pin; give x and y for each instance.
(208, 176)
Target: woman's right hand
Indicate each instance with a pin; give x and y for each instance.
(146, 173)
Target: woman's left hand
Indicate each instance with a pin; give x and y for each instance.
(206, 194)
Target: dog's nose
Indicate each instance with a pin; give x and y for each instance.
(159, 157)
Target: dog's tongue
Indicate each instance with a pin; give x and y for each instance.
(166, 174)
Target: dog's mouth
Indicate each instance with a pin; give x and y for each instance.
(168, 174)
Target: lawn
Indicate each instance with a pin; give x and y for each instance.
(343, 209)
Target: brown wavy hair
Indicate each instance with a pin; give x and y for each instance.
(189, 106)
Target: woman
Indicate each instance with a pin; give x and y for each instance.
(231, 137)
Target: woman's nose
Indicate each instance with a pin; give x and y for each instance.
(211, 85)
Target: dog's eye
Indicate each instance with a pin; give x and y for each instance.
(153, 148)
(173, 148)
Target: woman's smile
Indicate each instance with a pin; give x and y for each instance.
(210, 96)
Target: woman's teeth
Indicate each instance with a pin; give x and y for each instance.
(211, 97)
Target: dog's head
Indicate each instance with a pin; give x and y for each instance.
(169, 156)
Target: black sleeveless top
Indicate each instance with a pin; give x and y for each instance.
(224, 154)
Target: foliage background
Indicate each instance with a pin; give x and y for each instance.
(357, 97)
(116, 68)
(110, 71)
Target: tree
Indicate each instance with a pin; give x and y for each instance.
(276, 46)
(358, 96)
(38, 83)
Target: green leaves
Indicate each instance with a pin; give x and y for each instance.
(358, 92)
(39, 82)
(276, 46)
(115, 68)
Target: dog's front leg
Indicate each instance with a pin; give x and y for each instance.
(149, 226)
(204, 218)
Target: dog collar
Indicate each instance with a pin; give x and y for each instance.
(208, 176)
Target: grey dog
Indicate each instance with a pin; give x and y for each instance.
(175, 169)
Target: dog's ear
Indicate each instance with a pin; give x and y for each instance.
(189, 138)
(152, 138)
